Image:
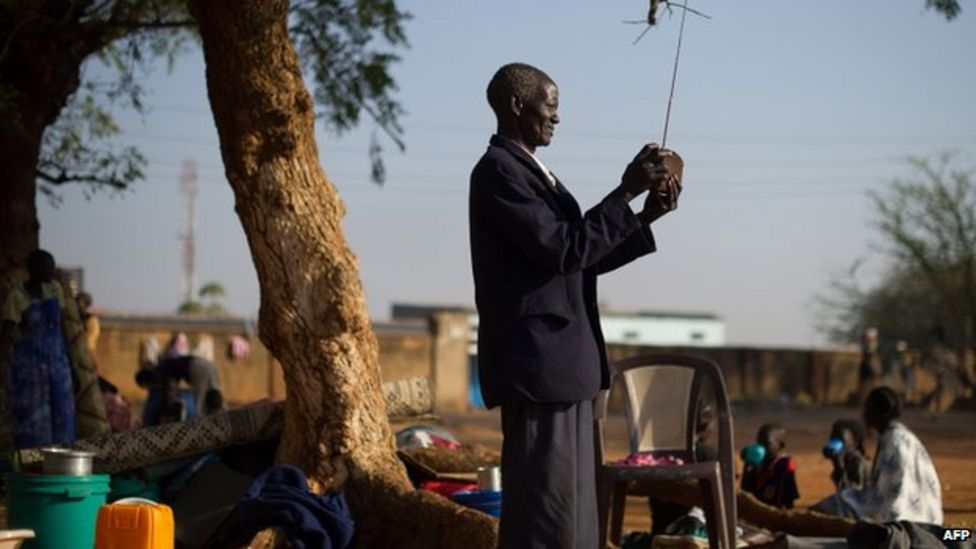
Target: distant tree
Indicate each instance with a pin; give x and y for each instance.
(211, 294)
(949, 8)
(56, 127)
(900, 306)
(212, 290)
(191, 307)
(927, 224)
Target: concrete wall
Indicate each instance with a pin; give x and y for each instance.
(405, 351)
(650, 329)
(449, 361)
(242, 380)
(768, 374)
(438, 348)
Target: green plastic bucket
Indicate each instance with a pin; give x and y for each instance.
(60, 509)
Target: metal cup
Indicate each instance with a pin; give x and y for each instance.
(63, 461)
(489, 479)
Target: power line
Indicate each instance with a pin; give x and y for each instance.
(958, 137)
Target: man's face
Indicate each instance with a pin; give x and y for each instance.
(537, 120)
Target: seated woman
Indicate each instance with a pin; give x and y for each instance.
(903, 484)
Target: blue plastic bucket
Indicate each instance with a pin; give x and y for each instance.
(60, 509)
(155, 400)
(486, 502)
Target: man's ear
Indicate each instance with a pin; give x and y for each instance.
(515, 104)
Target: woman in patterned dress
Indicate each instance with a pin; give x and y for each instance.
(903, 484)
(38, 377)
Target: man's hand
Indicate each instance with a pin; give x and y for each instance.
(664, 198)
(644, 172)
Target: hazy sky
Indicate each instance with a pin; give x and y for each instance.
(786, 113)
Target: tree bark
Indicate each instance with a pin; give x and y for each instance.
(18, 210)
(313, 313)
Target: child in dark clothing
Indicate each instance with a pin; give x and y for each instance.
(851, 467)
(845, 450)
(774, 480)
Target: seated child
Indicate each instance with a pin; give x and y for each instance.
(773, 481)
(851, 467)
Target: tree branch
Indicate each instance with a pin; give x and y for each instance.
(150, 25)
(362, 103)
(13, 34)
(63, 177)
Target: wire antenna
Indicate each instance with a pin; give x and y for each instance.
(674, 74)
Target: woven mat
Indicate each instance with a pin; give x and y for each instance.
(143, 447)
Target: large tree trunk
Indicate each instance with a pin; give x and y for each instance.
(18, 212)
(313, 314)
(20, 146)
(40, 69)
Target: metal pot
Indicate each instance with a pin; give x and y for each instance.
(62, 461)
(489, 479)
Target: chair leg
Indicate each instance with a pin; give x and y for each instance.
(617, 515)
(731, 515)
(731, 520)
(708, 505)
(712, 497)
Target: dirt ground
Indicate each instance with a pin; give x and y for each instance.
(949, 437)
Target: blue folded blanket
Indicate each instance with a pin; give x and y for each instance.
(280, 497)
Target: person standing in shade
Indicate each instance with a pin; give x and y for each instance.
(91, 419)
(90, 320)
(906, 359)
(869, 368)
(33, 347)
(541, 355)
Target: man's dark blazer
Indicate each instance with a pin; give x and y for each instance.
(536, 257)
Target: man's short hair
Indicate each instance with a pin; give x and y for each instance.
(516, 79)
(885, 403)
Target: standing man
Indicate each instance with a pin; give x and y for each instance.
(541, 352)
(869, 369)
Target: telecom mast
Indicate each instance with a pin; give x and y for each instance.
(188, 189)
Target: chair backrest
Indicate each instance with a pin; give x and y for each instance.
(662, 392)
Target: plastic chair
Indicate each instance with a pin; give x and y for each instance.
(662, 392)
